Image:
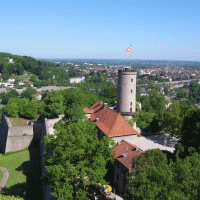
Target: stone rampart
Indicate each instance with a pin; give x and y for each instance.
(45, 130)
(14, 138)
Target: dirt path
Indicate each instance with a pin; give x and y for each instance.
(5, 178)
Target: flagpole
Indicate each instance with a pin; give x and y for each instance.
(130, 55)
(128, 51)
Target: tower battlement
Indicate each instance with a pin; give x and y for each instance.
(126, 70)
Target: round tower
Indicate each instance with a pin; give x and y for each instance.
(126, 92)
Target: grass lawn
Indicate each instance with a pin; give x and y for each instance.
(24, 172)
(12, 163)
(20, 121)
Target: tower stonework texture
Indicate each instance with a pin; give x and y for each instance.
(126, 92)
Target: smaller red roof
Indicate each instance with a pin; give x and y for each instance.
(125, 152)
(87, 111)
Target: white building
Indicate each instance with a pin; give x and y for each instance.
(11, 79)
(11, 60)
(77, 79)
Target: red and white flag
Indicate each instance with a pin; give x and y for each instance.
(128, 50)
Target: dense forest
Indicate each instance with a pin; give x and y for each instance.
(48, 73)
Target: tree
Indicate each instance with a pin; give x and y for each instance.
(155, 177)
(194, 91)
(157, 101)
(54, 104)
(29, 110)
(14, 92)
(109, 95)
(182, 94)
(28, 93)
(190, 131)
(76, 160)
(12, 109)
(33, 78)
(143, 119)
(172, 120)
(75, 113)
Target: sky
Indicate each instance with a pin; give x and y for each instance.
(101, 29)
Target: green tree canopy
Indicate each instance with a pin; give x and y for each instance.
(156, 178)
(143, 119)
(76, 159)
(28, 93)
(54, 103)
(190, 132)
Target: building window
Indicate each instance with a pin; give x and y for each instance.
(131, 110)
(131, 91)
(131, 80)
(130, 103)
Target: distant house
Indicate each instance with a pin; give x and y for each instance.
(38, 96)
(111, 124)
(9, 86)
(11, 79)
(21, 82)
(177, 85)
(110, 80)
(143, 92)
(123, 164)
(30, 84)
(167, 102)
(77, 79)
(11, 61)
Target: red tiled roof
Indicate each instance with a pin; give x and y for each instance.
(111, 123)
(128, 149)
(87, 110)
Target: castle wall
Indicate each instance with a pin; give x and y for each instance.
(126, 93)
(4, 126)
(46, 189)
(16, 143)
(12, 138)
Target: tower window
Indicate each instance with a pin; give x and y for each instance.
(131, 91)
(130, 103)
(131, 109)
(131, 80)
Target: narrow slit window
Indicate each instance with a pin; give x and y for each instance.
(131, 80)
(131, 91)
(130, 103)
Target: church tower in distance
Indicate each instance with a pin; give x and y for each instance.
(126, 92)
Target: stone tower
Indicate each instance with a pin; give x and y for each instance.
(126, 92)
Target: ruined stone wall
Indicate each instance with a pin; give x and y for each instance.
(14, 138)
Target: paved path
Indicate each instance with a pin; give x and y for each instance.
(5, 178)
(157, 142)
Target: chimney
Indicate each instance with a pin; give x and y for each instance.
(105, 105)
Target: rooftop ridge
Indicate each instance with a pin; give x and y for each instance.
(114, 123)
